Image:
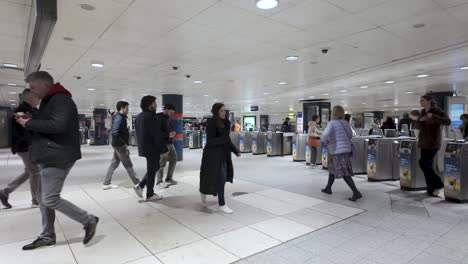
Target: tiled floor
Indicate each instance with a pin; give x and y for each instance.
(177, 229)
(280, 217)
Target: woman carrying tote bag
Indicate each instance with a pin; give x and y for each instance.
(337, 136)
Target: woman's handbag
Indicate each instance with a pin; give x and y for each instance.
(313, 142)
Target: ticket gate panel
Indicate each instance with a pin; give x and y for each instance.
(456, 172)
(235, 139)
(274, 144)
(194, 140)
(203, 139)
(287, 144)
(259, 143)
(319, 153)
(299, 147)
(245, 142)
(372, 158)
(411, 176)
(324, 151)
(186, 138)
(359, 159)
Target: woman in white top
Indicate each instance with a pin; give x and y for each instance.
(313, 134)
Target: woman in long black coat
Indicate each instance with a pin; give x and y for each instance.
(216, 168)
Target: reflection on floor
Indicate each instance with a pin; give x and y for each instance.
(280, 217)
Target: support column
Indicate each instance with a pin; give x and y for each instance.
(177, 121)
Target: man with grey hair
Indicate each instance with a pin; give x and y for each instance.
(56, 148)
(20, 144)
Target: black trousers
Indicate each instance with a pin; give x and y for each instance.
(222, 184)
(426, 163)
(152, 167)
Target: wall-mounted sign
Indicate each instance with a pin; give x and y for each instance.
(300, 123)
(254, 108)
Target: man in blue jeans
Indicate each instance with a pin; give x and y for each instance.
(55, 148)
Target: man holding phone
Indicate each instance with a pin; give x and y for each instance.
(171, 155)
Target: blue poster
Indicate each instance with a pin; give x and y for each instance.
(371, 163)
(456, 110)
(405, 167)
(452, 174)
(269, 147)
(308, 154)
(324, 156)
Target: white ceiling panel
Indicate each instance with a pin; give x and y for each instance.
(460, 12)
(357, 5)
(182, 9)
(342, 26)
(451, 3)
(247, 5)
(310, 13)
(396, 10)
(14, 12)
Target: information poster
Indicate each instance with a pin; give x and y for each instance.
(269, 147)
(452, 174)
(405, 167)
(294, 149)
(308, 154)
(300, 123)
(254, 145)
(241, 144)
(371, 163)
(456, 110)
(204, 139)
(324, 156)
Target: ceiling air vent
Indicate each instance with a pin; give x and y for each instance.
(4, 68)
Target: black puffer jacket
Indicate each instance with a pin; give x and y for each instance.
(21, 138)
(56, 129)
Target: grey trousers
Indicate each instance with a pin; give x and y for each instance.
(170, 156)
(31, 173)
(121, 154)
(51, 183)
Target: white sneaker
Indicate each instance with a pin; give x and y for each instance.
(203, 198)
(171, 182)
(155, 197)
(162, 185)
(138, 190)
(225, 209)
(34, 205)
(437, 192)
(109, 187)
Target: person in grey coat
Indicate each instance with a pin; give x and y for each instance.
(337, 136)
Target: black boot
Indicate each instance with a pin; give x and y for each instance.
(90, 230)
(4, 200)
(356, 194)
(331, 179)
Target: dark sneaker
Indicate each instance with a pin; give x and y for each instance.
(327, 191)
(355, 197)
(90, 230)
(40, 242)
(4, 200)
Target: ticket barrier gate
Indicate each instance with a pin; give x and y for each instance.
(195, 140)
(133, 139)
(203, 139)
(235, 139)
(318, 153)
(456, 172)
(245, 142)
(259, 143)
(382, 159)
(324, 151)
(359, 159)
(411, 176)
(186, 138)
(299, 147)
(274, 144)
(287, 143)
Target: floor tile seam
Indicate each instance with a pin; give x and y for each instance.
(341, 219)
(68, 241)
(113, 217)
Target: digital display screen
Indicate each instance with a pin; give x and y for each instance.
(456, 110)
(452, 147)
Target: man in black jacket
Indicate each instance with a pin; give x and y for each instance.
(150, 144)
(120, 138)
(171, 155)
(55, 148)
(21, 141)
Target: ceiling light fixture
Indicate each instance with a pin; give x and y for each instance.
(326, 94)
(363, 103)
(409, 92)
(11, 84)
(91, 89)
(343, 91)
(276, 101)
(422, 76)
(101, 104)
(10, 65)
(12, 100)
(12, 92)
(292, 58)
(364, 87)
(198, 82)
(390, 82)
(311, 96)
(385, 106)
(267, 4)
(206, 95)
(266, 93)
(97, 65)
(464, 68)
(282, 83)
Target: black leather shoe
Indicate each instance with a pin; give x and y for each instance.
(4, 200)
(355, 197)
(40, 242)
(327, 191)
(90, 230)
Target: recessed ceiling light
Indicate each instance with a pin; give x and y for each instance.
(419, 25)
(92, 107)
(276, 101)
(97, 65)
(267, 4)
(344, 101)
(282, 83)
(144, 94)
(390, 82)
(364, 87)
(464, 68)
(300, 99)
(266, 93)
(87, 7)
(422, 76)
(91, 89)
(10, 65)
(198, 82)
(12, 100)
(206, 95)
(409, 92)
(343, 91)
(385, 106)
(396, 109)
(13, 104)
(363, 103)
(12, 92)
(326, 94)
(101, 104)
(292, 58)
(311, 96)
(123, 100)
(11, 84)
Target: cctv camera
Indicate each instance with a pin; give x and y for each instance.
(188, 76)
(325, 50)
(175, 68)
(78, 77)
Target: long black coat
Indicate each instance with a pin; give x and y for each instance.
(217, 150)
(150, 137)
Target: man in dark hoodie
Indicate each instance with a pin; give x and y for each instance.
(120, 138)
(55, 148)
(151, 144)
(21, 141)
